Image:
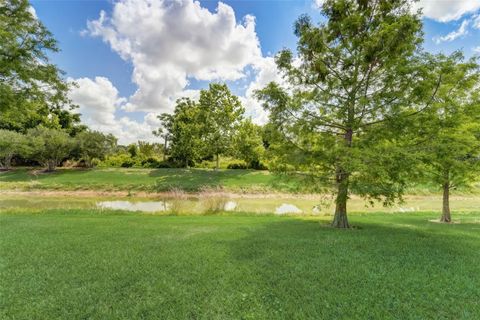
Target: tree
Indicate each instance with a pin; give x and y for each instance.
(220, 113)
(248, 143)
(448, 135)
(358, 70)
(94, 145)
(11, 144)
(185, 132)
(32, 90)
(49, 146)
(165, 131)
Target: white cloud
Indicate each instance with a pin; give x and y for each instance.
(476, 21)
(266, 72)
(447, 10)
(462, 30)
(170, 41)
(99, 102)
(476, 49)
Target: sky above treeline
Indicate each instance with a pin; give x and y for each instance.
(131, 59)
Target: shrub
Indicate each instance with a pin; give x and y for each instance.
(238, 165)
(119, 160)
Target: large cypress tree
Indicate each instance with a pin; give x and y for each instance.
(356, 71)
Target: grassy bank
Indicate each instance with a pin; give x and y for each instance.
(78, 264)
(153, 180)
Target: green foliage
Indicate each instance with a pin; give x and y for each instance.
(356, 71)
(220, 114)
(32, 90)
(94, 145)
(185, 133)
(248, 143)
(237, 165)
(120, 159)
(49, 146)
(77, 264)
(446, 137)
(11, 144)
(164, 131)
(448, 134)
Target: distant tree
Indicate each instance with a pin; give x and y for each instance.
(165, 131)
(186, 132)
(11, 144)
(32, 90)
(356, 70)
(94, 145)
(149, 149)
(248, 143)
(448, 135)
(220, 113)
(132, 149)
(49, 146)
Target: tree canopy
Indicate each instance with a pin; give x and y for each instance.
(361, 68)
(32, 89)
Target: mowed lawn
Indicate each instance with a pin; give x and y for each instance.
(89, 265)
(153, 180)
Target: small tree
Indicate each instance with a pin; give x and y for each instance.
(165, 131)
(49, 146)
(220, 113)
(11, 144)
(448, 135)
(94, 145)
(248, 143)
(185, 132)
(355, 71)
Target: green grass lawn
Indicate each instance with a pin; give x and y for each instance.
(153, 180)
(83, 264)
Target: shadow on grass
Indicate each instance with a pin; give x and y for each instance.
(410, 269)
(196, 179)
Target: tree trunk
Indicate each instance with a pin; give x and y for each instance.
(51, 165)
(8, 161)
(446, 203)
(217, 166)
(340, 220)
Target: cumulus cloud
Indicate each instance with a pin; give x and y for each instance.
(446, 10)
(461, 31)
(476, 50)
(169, 42)
(99, 102)
(266, 72)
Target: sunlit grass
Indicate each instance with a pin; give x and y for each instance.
(75, 264)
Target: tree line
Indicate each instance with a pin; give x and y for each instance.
(209, 128)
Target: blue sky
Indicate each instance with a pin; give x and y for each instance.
(132, 61)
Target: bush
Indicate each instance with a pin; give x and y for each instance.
(119, 160)
(257, 165)
(152, 162)
(238, 165)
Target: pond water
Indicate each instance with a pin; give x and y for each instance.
(201, 204)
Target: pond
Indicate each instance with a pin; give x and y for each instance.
(202, 203)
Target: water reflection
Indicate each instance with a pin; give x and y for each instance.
(287, 208)
(145, 206)
(230, 206)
